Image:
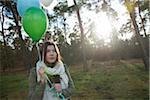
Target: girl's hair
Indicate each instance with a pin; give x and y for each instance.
(44, 50)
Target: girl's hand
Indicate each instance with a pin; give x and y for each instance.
(41, 73)
(58, 87)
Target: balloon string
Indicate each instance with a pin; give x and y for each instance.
(43, 51)
(39, 54)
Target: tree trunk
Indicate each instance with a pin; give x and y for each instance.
(82, 37)
(142, 20)
(2, 23)
(139, 38)
(5, 44)
(18, 31)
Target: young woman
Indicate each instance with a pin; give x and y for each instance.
(50, 80)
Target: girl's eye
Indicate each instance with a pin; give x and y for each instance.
(50, 50)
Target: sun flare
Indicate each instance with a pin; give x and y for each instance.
(102, 25)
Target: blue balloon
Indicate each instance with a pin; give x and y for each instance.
(23, 5)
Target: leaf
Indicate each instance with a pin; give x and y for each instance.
(130, 6)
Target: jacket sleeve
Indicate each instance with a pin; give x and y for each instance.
(69, 91)
(36, 89)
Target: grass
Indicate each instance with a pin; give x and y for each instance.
(111, 80)
(13, 86)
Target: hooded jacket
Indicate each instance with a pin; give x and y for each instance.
(36, 89)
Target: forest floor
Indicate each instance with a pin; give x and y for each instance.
(109, 80)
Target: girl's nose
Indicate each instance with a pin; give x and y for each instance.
(51, 52)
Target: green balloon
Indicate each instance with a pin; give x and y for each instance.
(35, 23)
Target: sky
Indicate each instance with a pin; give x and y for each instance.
(102, 22)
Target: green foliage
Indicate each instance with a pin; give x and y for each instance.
(144, 5)
(71, 53)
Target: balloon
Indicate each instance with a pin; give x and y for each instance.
(35, 23)
(46, 3)
(23, 5)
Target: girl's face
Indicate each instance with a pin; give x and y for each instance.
(51, 54)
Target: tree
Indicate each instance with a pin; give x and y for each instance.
(131, 9)
(143, 9)
(82, 37)
(11, 13)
